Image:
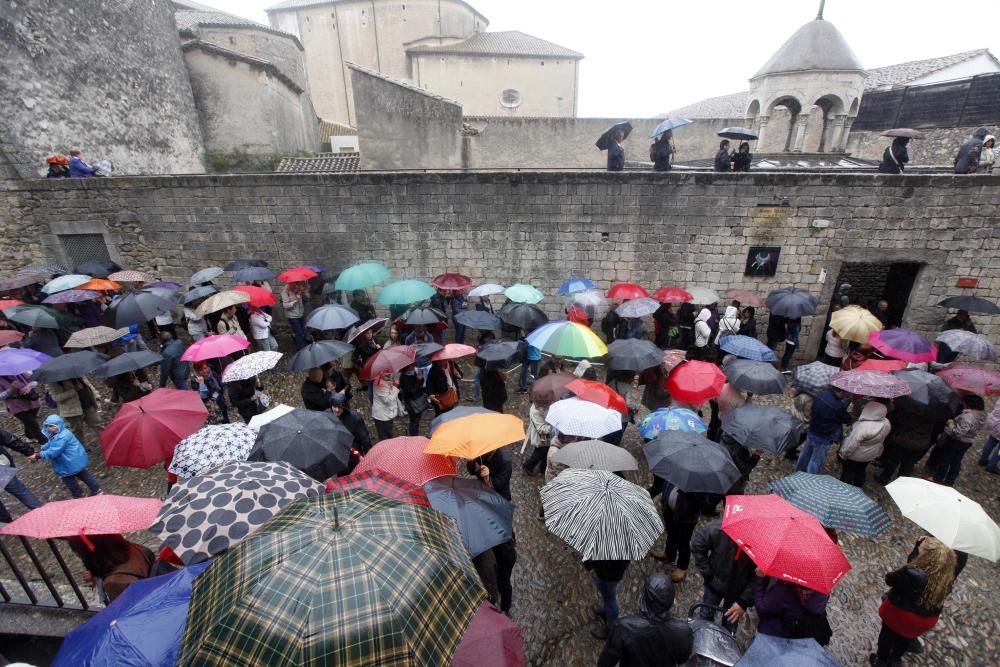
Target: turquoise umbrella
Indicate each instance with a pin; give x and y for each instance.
(42, 317)
(361, 276)
(522, 293)
(63, 283)
(405, 292)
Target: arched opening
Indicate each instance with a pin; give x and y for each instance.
(784, 113)
(854, 108)
(753, 111)
(819, 136)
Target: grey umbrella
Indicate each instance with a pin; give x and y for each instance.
(68, 366)
(973, 304)
(319, 353)
(929, 395)
(975, 346)
(252, 273)
(524, 316)
(691, 462)
(425, 316)
(595, 455)
(196, 293)
(206, 275)
(792, 302)
(758, 377)
(633, 354)
(124, 363)
(98, 268)
(762, 427)
(331, 318)
(316, 443)
(813, 378)
(499, 354)
(478, 319)
(485, 518)
(136, 308)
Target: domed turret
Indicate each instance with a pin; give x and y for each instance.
(817, 45)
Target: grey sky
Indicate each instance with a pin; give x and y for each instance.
(645, 57)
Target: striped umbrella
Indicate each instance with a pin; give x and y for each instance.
(595, 455)
(567, 339)
(575, 416)
(670, 419)
(814, 377)
(837, 505)
(974, 346)
(746, 347)
(601, 515)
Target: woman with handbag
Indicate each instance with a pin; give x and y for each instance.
(441, 387)
(411, 390)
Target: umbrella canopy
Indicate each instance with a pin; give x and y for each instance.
(627, 291)
(332, 318)
(601, 515)
(130, 276)
(200, 292)
(93, 515)
(382, 483)
(146, 430)
(424, 316)
(499, 354)
(206, 275)
(388, 361)
(837, 505)
(42, 317)
(67, 366)
(221, 301)
(567, 339)
(703, 295)
(771, 651)
(23, 280)
(745, 297)
(929, 395)
(252, 273)
(785, 542)
(71, 296)
(452, 282)
(974, 346)
(738, 133)
(522, 293)
(667, 125)
(633, 354)
(453, 351)
(375, 325)
(406, 459)
(671, 419)
(405, 292)
(906, 132)
(972, 378)
(577, 417)
(855, 323)
(127, 362)
(550, 388)
(51, 269)
(316, 443)
(491, 640)
(136, 308)
(361, 276)
(10, 303)
(487, 289)
(973, 304)
(298, 274)
(762, 427)
(870, 383)
(485, 518)
(672, 295)
(903, 344)
(746, 347)
(478, 319)
(18, 361)
(63, 283)
(257, 421)
(792, 302)
(350, 578)
(8, 336)
(956, 520)
(259, 297)
(881, 365)
(574, 285)
(167, 293)
(814, 377)
(758, 377)
(638, 307)
(524, 316)
(457, 413)
(100, 285)
(598, 393)
(471, 437)
(695, 382)
(604, 141)
(426, 350)
(94, 336)
(250, 366)
(691, 462)
(210, 447)
(99, 268)
(316, 354)
(214, 347)
(207, 514)
(595, 455)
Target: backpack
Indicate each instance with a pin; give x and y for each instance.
(652, 152)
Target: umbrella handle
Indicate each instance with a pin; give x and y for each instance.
(86, 541)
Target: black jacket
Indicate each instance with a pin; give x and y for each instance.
(888, 164)
(494, 389)
(723, 160)
(741, 161)
(315, 396)
(714, 553)
(501, 470)
(410, 386)
(660, 153)
(243, 396)
(967, 158)
(437, 381)
(10, 441)
(651, 638)
(362, 352)
(906, 585)
(355, 423)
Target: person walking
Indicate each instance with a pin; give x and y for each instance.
(864, 443)
(681, 512)
(895, 157)
(616, 153)
(537, 436)
(661, 152)
(260, 329)
(293, 301)
(990, 456)
(723, 158)
(966, 159)
(792, 329)
(22, 401)
(702, 335)
(743, 158)
(15, 487)
(727, 571)
(959, 434)
(529, 367)
(411, 391)
(650, 638)
(608, 574)
(354, 423)
(385, 405)
(68, 457)
(172, 367)
(826, 426)
(909, 439)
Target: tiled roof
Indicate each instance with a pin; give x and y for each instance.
(188, 21)
(295, 4)
(329, 128)
(733, 105)
(326, 163)
(904, 73)
(509, 43)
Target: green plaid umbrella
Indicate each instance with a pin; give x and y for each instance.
(836, 504)
(350, 579)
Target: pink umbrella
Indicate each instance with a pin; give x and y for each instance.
(870, 383)
(491, 640)
(745, 297)
(453, 351)
(973, 379)
(94, 515)
(903, 344)
(213, 347)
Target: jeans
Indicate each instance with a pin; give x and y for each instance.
(891, 646)
(414, 425)
(298, 332)
(528, 367)
(991, 452)
(787, 356)
(85, 477)
(678, 539)
(540, 455)
(477, 388)
(267, 344)
(459, 332)
(506, 556)
(950, 461)
(383, 428)
(855, 473)
(609, 600)
(813, 456)
(29, 420)
(710, 597)
(16, 488)
(905, 459)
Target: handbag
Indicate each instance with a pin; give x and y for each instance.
(447, 400)
(418, 405)
(263, 399)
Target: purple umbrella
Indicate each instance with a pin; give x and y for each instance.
(165, 284)
(871, 383)
(72, 296)
(14, 361)
(904, 345)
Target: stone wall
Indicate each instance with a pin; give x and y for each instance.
(106, 78)
(939, 148)
(654, 229)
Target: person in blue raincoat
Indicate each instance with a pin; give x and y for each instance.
(78, 168)
(67, 455)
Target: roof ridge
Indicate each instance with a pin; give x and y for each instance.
(966, 55)
(502, 43)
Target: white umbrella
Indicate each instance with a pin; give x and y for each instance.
(487, 290)
(210, 447)
(702, 295)
(956, 520)
(638, 308)
(258, 421)
(577, 417)
(250, 366)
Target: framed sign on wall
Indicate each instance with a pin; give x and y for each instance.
(762, 261)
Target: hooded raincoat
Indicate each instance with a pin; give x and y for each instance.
(63, 450)
(867, 437)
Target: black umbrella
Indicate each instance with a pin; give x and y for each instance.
(457, 413)
(929, 395)
(691, 462)
(375, 325)
(478, 319)
(136, 308)
(633, 354)
(23, 280)
(524, 316)
(252, 273)
(739, 133)
(98, 268)
(69, 366)
(196, 293)
(904, 132)
(608, 135)
(317, 354)
(973, 304)
(317, 443)
(499, 354)
(124, 363)
(758, 377)
(424, 351)
(762, 427)
(332, 317)
(425, 316)
(244, 264)
(792, 302)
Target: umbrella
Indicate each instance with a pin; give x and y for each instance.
(601, 515)
(259, 297)
(595, 455)
(881, 365)
(453, 351)
(316, 443)
(671, 419)
(361, 276)
(499, 354)
(785, 542)
(762, 427)
(405, 292)
(627, 291)
(42, 317)
(210, 447)
(127, 362)
(487, 289)
(574, 285)
(10, 303)
(146, 430)
(604, 141)
(375, 324)
(667, 125)
(63, 283)
(100, 285)
(71, 296)
(142, 626)
(131, 277)
(971, 378)
(633, 354)
(691, 462)
(250, 366)
(745, 297)
(870, 383)
(51, 269)
(473, 436)
(8, 336)
(755, 376)
(252, 273)
(973, 304)
(695, 382)
(297, 274)
(738, 133)
(638, 307)
(136, 308)
(424, 316)
(196, 293)
(837, 505)
(257, 421)
(491, 640)
(332, 318)
(485, 518)
(521, 293)
(350, 578)
(319, 353)
(792, 302)
(855, 323)
(904, 132)
(599, 394)
(68, 366)
(382, 483)
(672, 295)
(577, 417)
(956, 520)
(550, 388)
(206, 275)
(814, 377)
(771, 651)
(94, 336)
(974, 346)
(388, 361)
(672, 359)
(241, 264)
(903, 344)
(406, 459)
(99, 268)
(703, 295)
(17, 361)
(425, 351)
(221, 301)
(478, 319)
(214, 347)
(746, 347)
(524, 316)
(452, 282)
(167, 293)
(457, 413)
(23, 281)
(94, 515)
(567, 339)
(929, 395)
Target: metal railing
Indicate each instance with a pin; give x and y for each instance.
(30, 594)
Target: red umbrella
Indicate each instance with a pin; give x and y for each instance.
(405, 459)
(627, 291)
(491, 640)
(298, 274)
(453, 351)
(258, 295)
(672, 295)
(599, 393)
(392, 360)
(94, 515)
(382, 483)
(577, 314)
(8, 336)
(550, 388)
(213, 347)
(882, 365)
(784, 541)
(452, 282)
(10, 303)
(972, 378)
(146, 430)
(745, 297)
(695, 382)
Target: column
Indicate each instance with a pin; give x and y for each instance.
(761, 127)
(834, 142)
(799, 132)
(846, 133)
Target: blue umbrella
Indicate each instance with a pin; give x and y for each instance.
(671, 419)
(252, 273)
(746, 347)
(768, 651)
(574, 285)
(196, 293)
(835, 504)
(485, 518)
(143, 626)
(669, 124)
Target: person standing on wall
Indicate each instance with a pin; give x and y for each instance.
(895, 157)
(723, 159)
(966, 160)
(80, 169)
(616, 154)
(742, 158)
(661, 152)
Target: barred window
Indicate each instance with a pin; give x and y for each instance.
(80, 248)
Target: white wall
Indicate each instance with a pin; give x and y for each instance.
(981, 64)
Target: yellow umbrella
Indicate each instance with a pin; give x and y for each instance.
(854, 323)
(221, 301)
(475, 435)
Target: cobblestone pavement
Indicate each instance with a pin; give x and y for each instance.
(553, 594)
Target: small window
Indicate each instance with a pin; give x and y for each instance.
(510, 99)
(80, 248)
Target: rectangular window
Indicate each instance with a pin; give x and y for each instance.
(80, 248)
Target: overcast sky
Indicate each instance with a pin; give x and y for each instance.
(645, 57)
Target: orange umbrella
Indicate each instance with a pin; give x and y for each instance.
(100, 285)
(475, 435)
